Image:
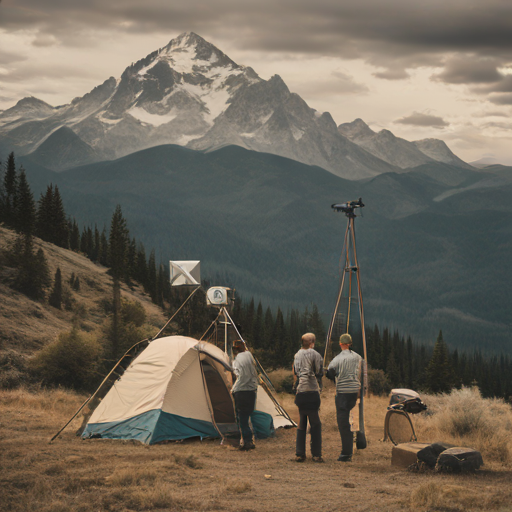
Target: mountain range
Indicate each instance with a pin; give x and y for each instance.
(191, 94)
(211, 162)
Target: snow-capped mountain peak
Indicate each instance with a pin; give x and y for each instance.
(191, 94)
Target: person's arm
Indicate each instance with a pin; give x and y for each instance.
(331, 372)
(295, 381)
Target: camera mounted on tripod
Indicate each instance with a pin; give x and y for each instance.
(348, 207)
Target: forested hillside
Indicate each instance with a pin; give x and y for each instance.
(432, 242)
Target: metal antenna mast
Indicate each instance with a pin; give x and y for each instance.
(350, 280)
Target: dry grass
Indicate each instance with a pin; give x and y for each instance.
(464, 418)
(72, 475)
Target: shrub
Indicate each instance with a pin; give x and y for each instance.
(70, 361)
(467, 419)
(13, 370)
(378, 382)
(133, 312)
(282, 380)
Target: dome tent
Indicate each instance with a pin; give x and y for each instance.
(177, 388)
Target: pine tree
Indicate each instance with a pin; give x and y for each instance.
(439, 371)
(152, 276)
(55, 298)
(103, 256)
(44, 228)
(25, 214)
(257, 333)
(161, 285)
(32, 276)
(248, 323)
(279, 337)
(118, 248)
(74, 237)
(96, 245)
(142, 267)
(59, 222)
(268, 330)
(10, 186)
(132, 260)
(316, 326)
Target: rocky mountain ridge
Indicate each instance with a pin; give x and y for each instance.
(398, 151)
(191, 94)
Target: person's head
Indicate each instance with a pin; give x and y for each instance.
(345, 341)
(238, 347)
(308, 340)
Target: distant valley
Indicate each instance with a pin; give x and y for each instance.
(263, 224)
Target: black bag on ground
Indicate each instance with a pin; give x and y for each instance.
(459, 460)
(414, 406)
(430, 453)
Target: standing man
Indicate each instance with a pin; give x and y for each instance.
(244, 391)
(307, 373)
(346, 369)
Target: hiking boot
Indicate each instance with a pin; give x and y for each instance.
(344, 458)
(318, 459)
(247, 446)
(300, 458)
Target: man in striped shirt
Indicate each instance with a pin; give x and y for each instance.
(346, 369)
(307, 373)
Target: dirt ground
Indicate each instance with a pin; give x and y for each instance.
(95, 475)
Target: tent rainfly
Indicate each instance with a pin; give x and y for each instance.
(177, 388)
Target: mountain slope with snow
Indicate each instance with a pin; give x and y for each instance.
(191, 94)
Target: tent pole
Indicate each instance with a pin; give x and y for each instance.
(72, 418)
(172, 317)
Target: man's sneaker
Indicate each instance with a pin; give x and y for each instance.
(318, 459)
(300, 458)
(344, 458)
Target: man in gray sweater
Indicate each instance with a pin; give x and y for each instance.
(307, 373)
(346, 369)
(244, 391)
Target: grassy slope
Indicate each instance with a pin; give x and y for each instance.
(27, 325)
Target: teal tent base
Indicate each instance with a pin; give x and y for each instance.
(156, 426)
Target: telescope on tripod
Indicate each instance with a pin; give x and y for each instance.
(348, 315)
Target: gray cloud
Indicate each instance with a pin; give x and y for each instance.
(395, 34)
(10, 58)
(420, 119)
(43, 40)
(392, 74)
(501, 99)
(345, 84)
(470, 69)
(43, 71)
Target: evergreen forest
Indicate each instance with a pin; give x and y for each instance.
(272, 333)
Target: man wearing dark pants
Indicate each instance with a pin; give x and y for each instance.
(244, 391)
(346, 369)
(307, 372)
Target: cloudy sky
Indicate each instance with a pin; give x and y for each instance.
(420, 68)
